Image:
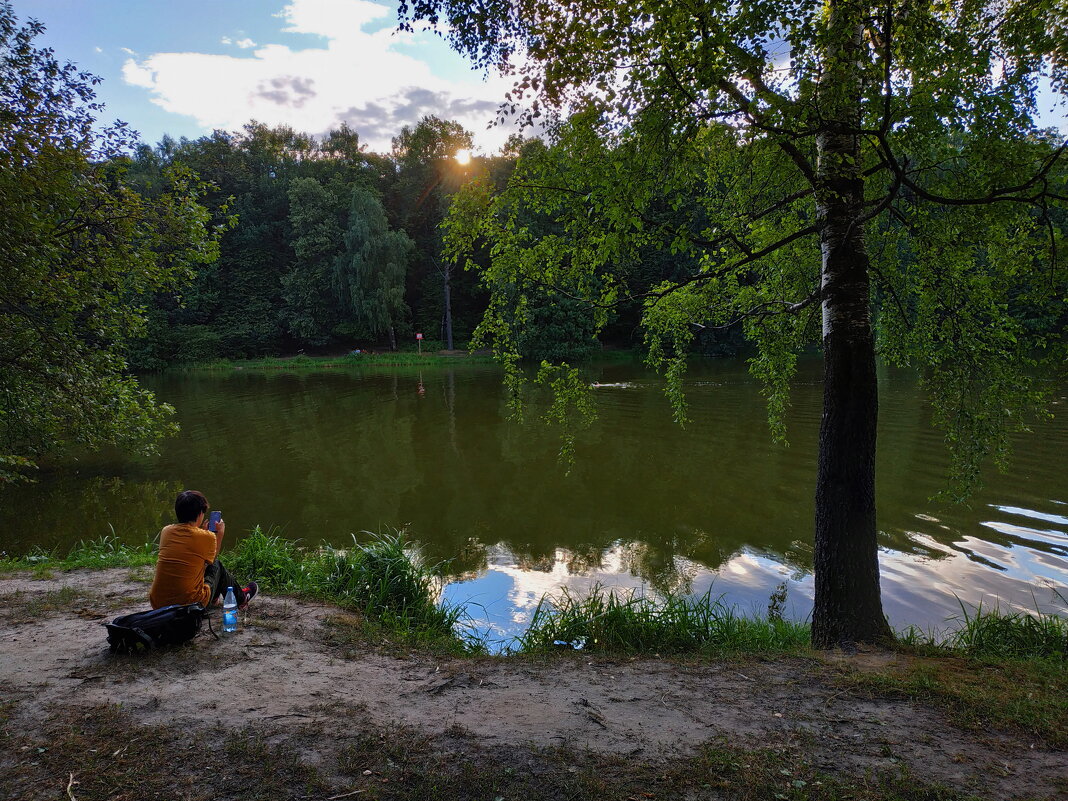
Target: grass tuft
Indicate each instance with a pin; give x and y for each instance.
(994, 635)
(1011, 635)
(608, 621)
(384, 579)
(272, 560)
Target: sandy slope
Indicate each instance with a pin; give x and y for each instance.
(278, 672)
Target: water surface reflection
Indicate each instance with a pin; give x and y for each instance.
(648, 506)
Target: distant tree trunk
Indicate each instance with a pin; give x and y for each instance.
(392, 338)
(848, 607)
(447, 272)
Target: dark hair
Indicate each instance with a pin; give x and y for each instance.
(188, 505)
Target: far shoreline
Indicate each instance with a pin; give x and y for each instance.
(375, 358)
(364, 359)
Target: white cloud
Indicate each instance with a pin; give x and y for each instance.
(333, 19)
(133, 73)
(244, 44)
(128, 51)
(353, 75)
(98, 50)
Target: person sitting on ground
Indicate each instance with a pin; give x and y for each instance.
(188, 570)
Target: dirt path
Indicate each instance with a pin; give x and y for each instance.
(280, 674)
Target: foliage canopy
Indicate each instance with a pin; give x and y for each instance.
(858, 174)
(79, 249)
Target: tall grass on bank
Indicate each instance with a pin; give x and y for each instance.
(1012, 635)
(429, 357)
(273, 561)
(103, 552)
(384, 579)
(992, 634)
(609, 621)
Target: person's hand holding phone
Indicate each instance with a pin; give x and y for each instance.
(217, 527)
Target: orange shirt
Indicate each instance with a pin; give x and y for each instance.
(184, 552)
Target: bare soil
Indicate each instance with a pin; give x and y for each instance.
(284, 676)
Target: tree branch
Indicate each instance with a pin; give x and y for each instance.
(755, 118)
(1004, 194)
(768, 309)
(749, 258)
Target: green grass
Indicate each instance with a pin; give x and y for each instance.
(671, 624)
(1000, 669)
(383, 578)
(385, 359)
(275, 562)
(409, 356)
(1030, 695)
(103, 552)
(994, 634)
(1011, 635)
(994, 669)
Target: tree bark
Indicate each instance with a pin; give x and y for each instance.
(848, 607)
(447, 272)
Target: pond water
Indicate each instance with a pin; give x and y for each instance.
(647, 505)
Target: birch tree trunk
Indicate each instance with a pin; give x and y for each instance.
(848, 606)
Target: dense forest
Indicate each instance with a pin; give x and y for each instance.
(329, 247)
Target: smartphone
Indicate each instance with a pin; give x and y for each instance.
(213, 520)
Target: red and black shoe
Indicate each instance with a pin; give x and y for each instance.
(249, 593)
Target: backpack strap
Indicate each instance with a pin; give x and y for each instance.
(203, 613)
(146, 639)
(210, 628)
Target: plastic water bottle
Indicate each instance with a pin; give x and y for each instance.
(230, 611)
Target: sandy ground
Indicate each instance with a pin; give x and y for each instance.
(277, 671)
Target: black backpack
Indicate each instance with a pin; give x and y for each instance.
(168, 625)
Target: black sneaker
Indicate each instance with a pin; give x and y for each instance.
(250, 593)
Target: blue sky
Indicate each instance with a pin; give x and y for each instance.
(185, 67)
